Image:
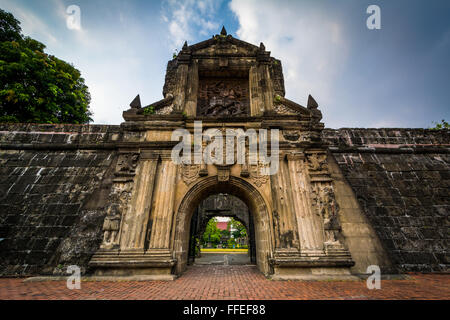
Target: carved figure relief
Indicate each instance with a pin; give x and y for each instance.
(223, 97)
(111, 225)
(328, 209)
(317, 162)
(127, 163)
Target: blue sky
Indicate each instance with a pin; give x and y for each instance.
(398, 76)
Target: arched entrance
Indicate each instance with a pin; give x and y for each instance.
(239, 232)
(236, 187)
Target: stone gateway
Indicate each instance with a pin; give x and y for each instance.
(112, 200)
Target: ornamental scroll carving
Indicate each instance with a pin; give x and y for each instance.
(189, 173)
(258, 173)
(282, 109)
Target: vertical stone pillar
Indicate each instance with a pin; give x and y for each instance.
(163, 204)
(309, 223)
(192, 90)
(180, 91)
(256, 103)
(267, 88)
(134, 225)
(286, 234)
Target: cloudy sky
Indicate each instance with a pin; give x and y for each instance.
(398, 76)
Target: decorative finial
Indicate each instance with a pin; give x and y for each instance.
(185, 46)
(262, 47)
(312, 104)
(224, 31)
(136, 103)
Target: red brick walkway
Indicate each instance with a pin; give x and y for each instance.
(230, 282)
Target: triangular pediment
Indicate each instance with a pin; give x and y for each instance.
(220, 45)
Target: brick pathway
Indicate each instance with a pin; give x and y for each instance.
(230, 282)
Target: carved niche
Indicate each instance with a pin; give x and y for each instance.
(223, 97)
(327, 207)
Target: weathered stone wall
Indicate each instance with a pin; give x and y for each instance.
(54, 182)
(401, 178)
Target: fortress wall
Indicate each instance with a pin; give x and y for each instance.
(54, 182)
(401, 179)
(55, 179)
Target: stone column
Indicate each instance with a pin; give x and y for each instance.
(180, 90)
(267, 88)
(309, 223)
(163, 204)
(256, 103)
(192, 89)
(286, 234)
(134, 226)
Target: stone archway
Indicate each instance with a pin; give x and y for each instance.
(239, 188)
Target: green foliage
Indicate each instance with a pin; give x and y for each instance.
(34, 86)
(439, 126)
(149, 110)
(225, 233)
(231, 243)
(212, 232)
(9, 27)
(240, 231)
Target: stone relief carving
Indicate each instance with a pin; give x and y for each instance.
(223, 97)
(223, 173)
(258, 173)
(118, 205)
(111, 226)
(282, 109)
(317, 162)
(165, 110)
(327, 208)
(127, 163)
(189, 173)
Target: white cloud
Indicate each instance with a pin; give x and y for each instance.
(309, 42)
(186, 18)
(31, 24)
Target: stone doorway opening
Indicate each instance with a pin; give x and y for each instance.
(222, 232)
(258, 212)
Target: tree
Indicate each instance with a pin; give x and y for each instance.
(443, 125)
(34, 86)
(240, 231)
(212, 233)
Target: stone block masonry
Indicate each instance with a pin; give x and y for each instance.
(54, 180)
(401, 178)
